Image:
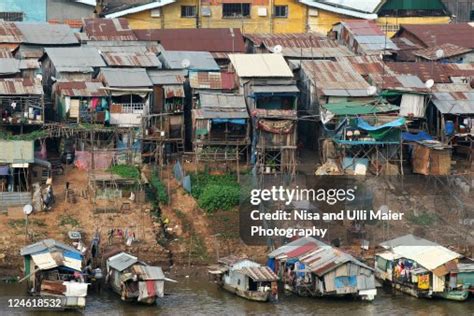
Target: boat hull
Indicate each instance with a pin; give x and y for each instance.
(256, 296)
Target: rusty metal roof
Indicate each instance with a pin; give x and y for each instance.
(131, 59)
(204, 39)
(108, 29)
(429, 35)
(449, 50)
(9, 33)
(212, 80)
(382, 76)
(440, 73)
(363, 27)
(303, 45)
(335, 78)
(30, 51)
(5, 53)
(20, 86)
(259, 274)
(80, 88)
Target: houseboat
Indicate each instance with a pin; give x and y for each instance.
(245, 278)
(53, 270)
(422, 268)
(134, 280)
(309, 267)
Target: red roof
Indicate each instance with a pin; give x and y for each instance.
(301, 250)
(461, 34)
(208, 40)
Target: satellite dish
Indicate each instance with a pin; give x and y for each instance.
(27, 209)
(371, 90)
(439, 53)
(39, 77)
(429, 83)
(277, 49)
(185, 63)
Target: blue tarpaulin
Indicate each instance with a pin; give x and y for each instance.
(178, 171)
(416, 137)
(345, 281)
(187, 184)
(233, 121)
(271, 263)
(361, 123)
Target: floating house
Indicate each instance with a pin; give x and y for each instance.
(245, 278)
(422, 268)
(134, 280)
(53, 269)
(309, 267)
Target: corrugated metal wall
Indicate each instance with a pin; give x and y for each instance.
(15, 198)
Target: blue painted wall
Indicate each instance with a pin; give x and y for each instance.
(33, 10)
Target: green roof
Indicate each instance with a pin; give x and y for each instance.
(413, 5)
(359, 108)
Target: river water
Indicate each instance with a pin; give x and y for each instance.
(198, 297)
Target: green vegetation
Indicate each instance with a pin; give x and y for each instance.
(424, 219)
(215, 192)
(125, 171)
(68, 220)
(161, 194)
(30, 136)
(20, 223)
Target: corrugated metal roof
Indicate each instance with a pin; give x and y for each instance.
(197, 60)
(217, 105)
(80, 88)
(260, 65)
(108, 29)
(449, 50)
(121, 261)
(431, 35)
(203, 39)
(440, 73)
(9, 66)
(303, 45)
(271, 89)
(75, 59)
(118, 6)
(428, 254)
(46, 245)
(17, 151)
(126, 46)
(20, 86)
(47, 34)
(131, 59)
(167, 77)
(259, 274)
(30, 51)
(5, 53)
(294, 245)
(365, 36)
(212, 80)
(230, 260)
(368, 6)
(10, 33)
(456, 100)
(126, 77)
(29, 64)
(335, 78)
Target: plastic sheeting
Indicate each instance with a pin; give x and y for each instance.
(102, 160)
(187, 184)
(75, 289)
(416, 137)
(178, 171)
(361, 123)
(233, 121)
(412, 105)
